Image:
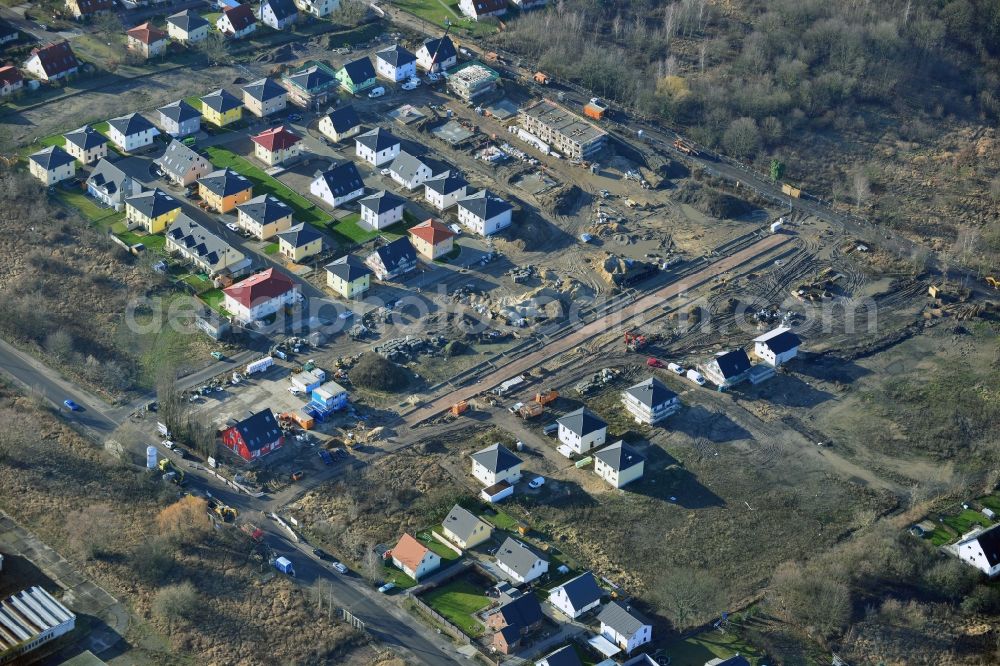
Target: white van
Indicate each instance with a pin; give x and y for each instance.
(696, 377)
(674, 368)
(376, 92)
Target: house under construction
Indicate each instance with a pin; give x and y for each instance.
(562, 129)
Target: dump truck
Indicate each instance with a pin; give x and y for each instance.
(546, 397)
(255, 533)
(530, 410)
(171, 472)
(685, 147)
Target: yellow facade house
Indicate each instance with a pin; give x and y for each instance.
(348, 277)
(154, 211)
(300, 242)
(221, 108)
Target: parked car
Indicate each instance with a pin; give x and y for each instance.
(218, 356)
(297, 476)
(536, 482)
(551, 429)
(294, 117)
(515, 408)
(71, 406)
(456, 229)
(167, 444)
(696, 377)
(181, 453)
(321, 554)
(385, 589)
(232, 227)
(412, 84)
(376, 92)
(385, 172)
(338, 566)
(674, 368)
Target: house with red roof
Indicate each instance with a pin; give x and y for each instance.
(276, 145)
(255, 436)
(52, 62)
(11, 80)
(414, 558)
(237, 22)
(260, 295)
(432, 239)
(146, 40)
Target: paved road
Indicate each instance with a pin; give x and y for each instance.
(595, 328)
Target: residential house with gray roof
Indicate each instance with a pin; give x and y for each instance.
(496, 463)
(179, 119)
(111, 186)
(264, 216)
(577, 596)
(623, 627)
(619, 464)
(209, 253)
(464, 528)
(582, 430)
(650, 401)
(411, 171)
(183, 165)
(520, 562)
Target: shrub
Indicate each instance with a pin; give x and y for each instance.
(379, 374)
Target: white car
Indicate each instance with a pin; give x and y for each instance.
(515, 408)
(456, 229)
(376, 92)
(385, 172)
(232, 227)
(696, 377)
(674, 368)
(412, 84)
(167, 444)
(385, 589)
(339, 567)
(536, 482)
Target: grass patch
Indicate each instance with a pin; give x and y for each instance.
(451, 256)
(155, 242)
(213, 298)
(304, 210)
(698, 649)
(89, 208)
(394, 575)
(198, 282)
(130, 237)
(271, 248)
(502, 520)
(444, 552)
(458, 601)
(966, 521)
(440, 12)
(349, 230)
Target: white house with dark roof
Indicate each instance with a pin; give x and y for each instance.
(318, 8)
(338, 184)
(621, 626)
(727, 368)
(776, 347)
(340, 124)
(377, 146)
(52, 165)
(411, 171)
(480, 9)
(494, 464)
(179, 119)
(582, 430)
(131, 132)
(519, 562)
(564, 656)
(395, 63)
(111, 186)
(264, 216)
(437, 55)
(278, 14)
(265, 97)
(981, 549)
(237, 21)
(484, 213)
(381, 210)
(392, 260)
(464, 529)
(187, 27)
(577, 596)
(619, 464)
(183, 165)
(650, 401)
(86, 144)
(443, 193)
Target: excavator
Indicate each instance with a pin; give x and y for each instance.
(993, 282)
(171, 472)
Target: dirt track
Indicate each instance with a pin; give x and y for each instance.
(595, 328)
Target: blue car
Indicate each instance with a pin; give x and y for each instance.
(70, 405)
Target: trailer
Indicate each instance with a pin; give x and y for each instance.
(545, 397)
(260, 365)
(530, 410)
(285, 566)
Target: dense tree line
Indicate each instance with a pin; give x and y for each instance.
(748, 80)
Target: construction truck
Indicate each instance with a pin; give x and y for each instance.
(171, 472)
(459, 408)
(993, 282)
(546, 397)
(223, 511)
(634, 341)
(530, 410)
(255, 533)
(685, 147)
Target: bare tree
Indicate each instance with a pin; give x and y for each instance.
(688, 597)
(810, 600)
(153, 559)
(215, 49)
(92, 532)
(176, 602)
(860, 187)
(742, 138)
(59, 343)
(372, 564)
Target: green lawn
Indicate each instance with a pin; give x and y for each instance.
(446, 553)
(458, 601)
(271, 248)
(198, 281)
(440, 11)
(195, 101)
(155, 242)
(88, 207)
(394, 575)
(213, 298)
(502, 521)
(304, 210)
(349, 230)
(695, 651)
(991, 502)
(131, 237)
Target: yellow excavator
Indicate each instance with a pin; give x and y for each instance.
(993, 282)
